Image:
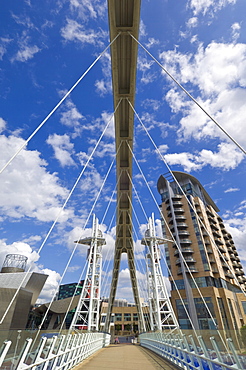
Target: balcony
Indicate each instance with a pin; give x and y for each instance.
(230, 250)
(215, 233)
(184, 250)
(229, 275)
(182, 225)
(185, 241)
(177, 203)
(177, 197)
(184, 232)
(180, 217)
(212, 220)
(178, 210)
(191, 269)
(214, 270)
(219, 243)
(214, 226)
(222, 249)
(187, 259)
(209, 213)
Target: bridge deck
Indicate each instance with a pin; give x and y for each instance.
(125, 356)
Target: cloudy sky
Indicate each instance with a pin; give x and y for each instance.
(44, 48)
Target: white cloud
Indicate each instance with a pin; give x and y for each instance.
(162, 149)
(3, 124)
(231, 190)
(24, 249)
(192, 22)
(151, 42)
(235, 31)
(4, 41)
(203, 6)
(27, 188)
(227, 157)
(74, 31)
(235, 223)
(50, 287)
(63, 149)
(124, 288)
(26, 51)
(219, 72)
(151, 103)
(87, 9)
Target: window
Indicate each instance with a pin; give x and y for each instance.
(244, 306)
(223, 313)
(118, 316)
(202, 309)
(127, 317)
(135, 317)
(232, 314)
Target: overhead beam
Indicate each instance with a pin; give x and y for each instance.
(124, 19)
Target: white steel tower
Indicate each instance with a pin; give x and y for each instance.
(162, 315)
(88, 309)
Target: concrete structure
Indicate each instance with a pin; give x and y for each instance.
(201, 244)
(56, 315)
(25, 287)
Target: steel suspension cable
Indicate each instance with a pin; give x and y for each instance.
(60, 212)
(58, 105)
(190, 96)
(187, 199)
(174, 241)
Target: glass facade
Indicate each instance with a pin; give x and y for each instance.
(223, 313)
(68, 290)
(127, 317)
(118, 316)
(204, 308)
(244, 306)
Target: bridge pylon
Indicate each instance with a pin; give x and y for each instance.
(162, 316)
(88, 310)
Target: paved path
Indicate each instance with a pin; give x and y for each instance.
(124, 356)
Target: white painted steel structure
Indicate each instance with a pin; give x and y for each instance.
(190, 354)
(161, 312)
(62, 352)
(88, 310)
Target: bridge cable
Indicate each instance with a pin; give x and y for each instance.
(169, 271)
(186, 265)
(76, 245)
(139, 262)
(187, 199)
(60, 211)
(58, 104)
(190, 96)
(191, 205)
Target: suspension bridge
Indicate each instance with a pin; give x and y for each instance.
(84, 338)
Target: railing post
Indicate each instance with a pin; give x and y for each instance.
(235, 355)
(205, 352)
(4, 350)
(20, 361)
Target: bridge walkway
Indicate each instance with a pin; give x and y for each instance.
(125, 356)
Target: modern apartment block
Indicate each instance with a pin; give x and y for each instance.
(201, 257)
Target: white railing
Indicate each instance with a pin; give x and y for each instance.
(186, 354)
(59, 352)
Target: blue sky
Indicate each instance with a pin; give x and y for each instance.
(44, 48)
